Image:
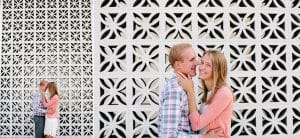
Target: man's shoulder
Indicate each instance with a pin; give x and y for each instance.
(35, 93)
(171, 81)
(172, 89)
(171, 85)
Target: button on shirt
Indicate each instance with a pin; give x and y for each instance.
(174, 113)
(37, 104)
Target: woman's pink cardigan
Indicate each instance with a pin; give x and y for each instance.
(217, 114)
(52, 106)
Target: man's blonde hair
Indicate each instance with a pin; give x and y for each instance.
(43, 83)
(175, 53)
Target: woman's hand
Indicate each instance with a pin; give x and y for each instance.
(215, 133)
(188, 86)
(185, 82)
(43, 95)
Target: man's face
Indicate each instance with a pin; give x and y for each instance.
(189, 62)
(43, 87)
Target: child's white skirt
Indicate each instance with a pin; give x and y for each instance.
(51, 125)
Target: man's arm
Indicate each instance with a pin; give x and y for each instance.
(41, 110)
(170, 114)
(37, 106)
(34, 102)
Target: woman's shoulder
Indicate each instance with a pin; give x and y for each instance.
(224, 91)
(55, 97)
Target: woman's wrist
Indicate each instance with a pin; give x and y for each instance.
(190, 92)
(193, 108)
(192, 102)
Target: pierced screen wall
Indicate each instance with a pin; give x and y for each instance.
(46, 39)
(109, 58)
(259, 38)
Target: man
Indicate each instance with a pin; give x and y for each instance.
(174, 111)
(39, 110)
(173, 116)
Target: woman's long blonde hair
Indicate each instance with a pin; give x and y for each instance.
(219, 73)
(52, 88)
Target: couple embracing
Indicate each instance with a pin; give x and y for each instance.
(179, 116)
(45, 110)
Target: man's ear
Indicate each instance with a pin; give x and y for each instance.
(177, 65)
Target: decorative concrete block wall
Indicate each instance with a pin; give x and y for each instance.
(109, 58)
(46, 39)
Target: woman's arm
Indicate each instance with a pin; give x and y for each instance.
(43, 96)
(187, 84)
(221, 100)
(53, 100)
(217, 106)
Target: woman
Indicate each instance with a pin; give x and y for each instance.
(217, 98)
(52, 106)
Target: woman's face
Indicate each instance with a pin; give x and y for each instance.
(205, 68)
